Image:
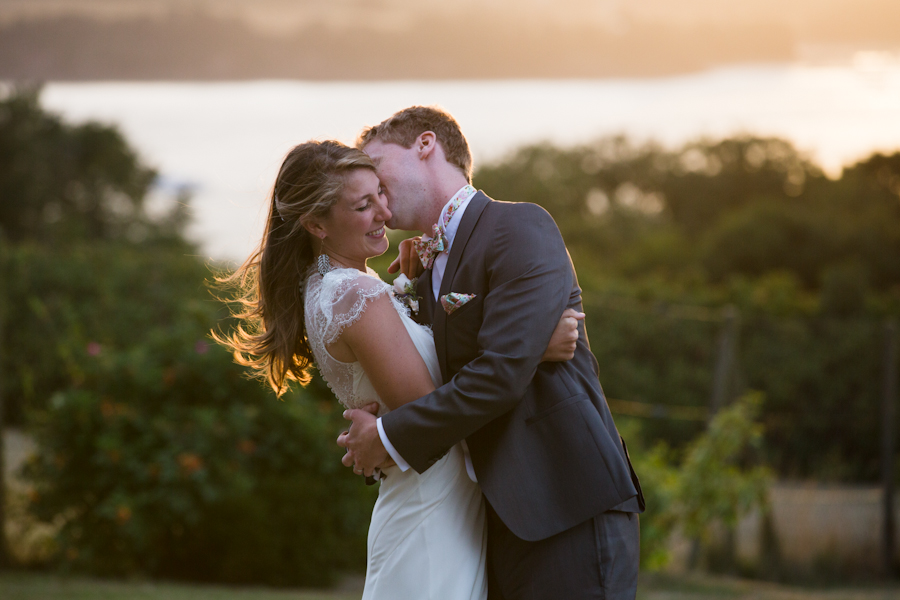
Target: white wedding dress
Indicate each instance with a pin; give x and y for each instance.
(427, 536)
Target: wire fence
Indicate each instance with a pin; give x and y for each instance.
(825, 380)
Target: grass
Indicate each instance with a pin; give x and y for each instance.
(38, 586)
(705, 587)
(42, 586)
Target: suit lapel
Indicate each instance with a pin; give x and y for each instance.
(463, 233)
(425, 315)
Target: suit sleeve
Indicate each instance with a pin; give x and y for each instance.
(529, 277)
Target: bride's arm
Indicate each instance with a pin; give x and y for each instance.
(381, 344)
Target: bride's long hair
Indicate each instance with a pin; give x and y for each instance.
(270, 337)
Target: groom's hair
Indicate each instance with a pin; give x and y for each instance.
(404, 127)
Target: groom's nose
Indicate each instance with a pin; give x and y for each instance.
(385, 213)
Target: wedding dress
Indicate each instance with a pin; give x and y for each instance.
(427, 535)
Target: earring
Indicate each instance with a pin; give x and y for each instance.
(323, 264)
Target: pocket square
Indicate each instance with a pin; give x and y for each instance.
(454, 300)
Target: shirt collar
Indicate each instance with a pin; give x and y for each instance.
(453, 225)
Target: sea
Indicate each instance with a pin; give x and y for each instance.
(224, 141)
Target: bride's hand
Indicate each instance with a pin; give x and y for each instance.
(407, 261)
(564, 339)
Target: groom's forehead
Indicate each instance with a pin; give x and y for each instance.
(377, 149)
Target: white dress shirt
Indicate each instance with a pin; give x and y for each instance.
(437, 275)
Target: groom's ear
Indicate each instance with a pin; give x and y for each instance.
(425, 144)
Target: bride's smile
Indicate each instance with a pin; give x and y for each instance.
(354, 227)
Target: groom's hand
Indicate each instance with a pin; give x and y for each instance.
(364, 449)
(564, 339)
(348, 458)
(407, 261)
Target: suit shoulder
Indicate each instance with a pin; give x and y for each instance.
(526, 227)
(510, 212)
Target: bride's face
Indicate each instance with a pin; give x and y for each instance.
(354, 227)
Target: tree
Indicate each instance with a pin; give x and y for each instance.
(62, 183)
(77, 267)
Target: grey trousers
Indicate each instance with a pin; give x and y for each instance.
(597, 559)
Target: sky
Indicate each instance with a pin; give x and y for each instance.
(810, 21)
(345, 40)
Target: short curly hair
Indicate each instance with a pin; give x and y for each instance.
(405, 126)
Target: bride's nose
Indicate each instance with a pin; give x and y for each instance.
(384, 213)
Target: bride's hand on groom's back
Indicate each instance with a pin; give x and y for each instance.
(564, 339)
(407, 261)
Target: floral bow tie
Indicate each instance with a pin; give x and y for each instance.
(429, 248)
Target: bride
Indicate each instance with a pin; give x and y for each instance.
(309, 298)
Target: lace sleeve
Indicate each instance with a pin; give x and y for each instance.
(333, 303)
(338, 300)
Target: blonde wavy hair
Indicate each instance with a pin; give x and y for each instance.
(270, 337)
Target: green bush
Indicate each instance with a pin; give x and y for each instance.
(647, 355)
(713, 481)
(822, 379)
(664, 239)
(822, 376)
(156, 454)
(166, 461)
(63, 305)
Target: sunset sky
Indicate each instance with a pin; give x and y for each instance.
(90, 40)
(809, 21)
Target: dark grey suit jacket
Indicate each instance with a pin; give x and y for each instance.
(543, 443)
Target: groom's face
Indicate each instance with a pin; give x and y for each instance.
(402, 178)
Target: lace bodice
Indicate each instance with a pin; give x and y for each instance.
(333, 303)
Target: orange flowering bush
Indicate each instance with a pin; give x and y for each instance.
(166, 461)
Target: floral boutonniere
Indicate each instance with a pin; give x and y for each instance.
(405, 292)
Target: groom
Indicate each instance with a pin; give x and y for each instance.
(560, 492)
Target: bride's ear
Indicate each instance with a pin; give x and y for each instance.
(314, 227)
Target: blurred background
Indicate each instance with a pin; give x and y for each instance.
(727, 179)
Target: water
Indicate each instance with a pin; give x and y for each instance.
(227, 139)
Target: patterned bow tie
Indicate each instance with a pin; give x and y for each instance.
(429, 248)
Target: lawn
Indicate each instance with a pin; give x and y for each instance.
(32, 586)
(35, 586)
(704, 587)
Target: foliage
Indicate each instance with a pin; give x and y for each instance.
(166, 461)
(647, 355)
(742, 206)
(717, 479)
(82, 263)
(822, 376)
(66, 306)
(664, 239)
(823, 381)
(156, 455)
(63, 182)
(718, 482)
